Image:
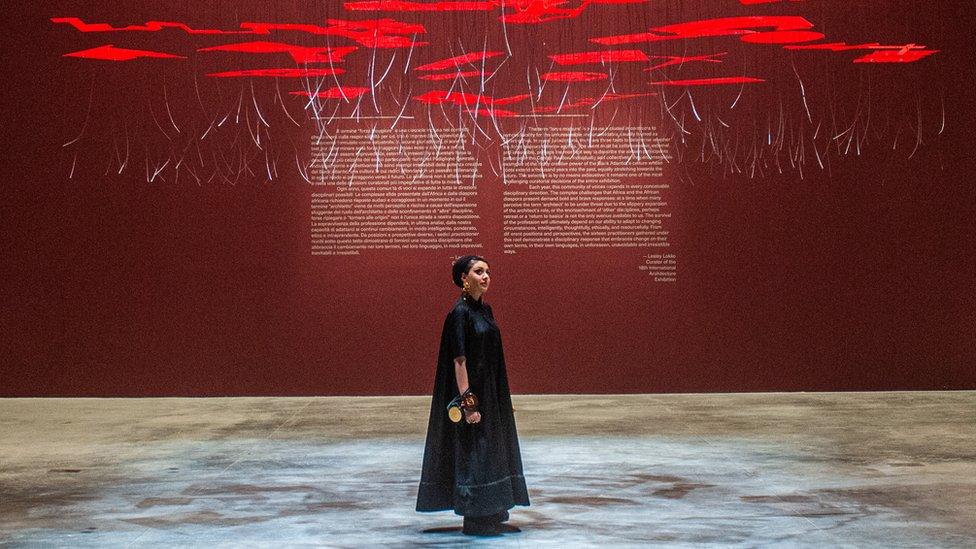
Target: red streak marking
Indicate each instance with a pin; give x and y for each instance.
(909, 53)
(300, 54)
(679, 60)
(109, 52)
(542, 11)
(786, 28)
(399, 5)
(894, 56)
(372, 33)
(501, 113)
(839, 46)
(457, 61)
(710, 81)
(522, 11)
(149, 26)
(590, 101)
(451, 75)
(278, 73)
(609, 56)
(391, 26)
(573, 76)
(335, 93)
(467, 99)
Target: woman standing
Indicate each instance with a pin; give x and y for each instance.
(473, 466)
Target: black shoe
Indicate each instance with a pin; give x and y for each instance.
(477, 526)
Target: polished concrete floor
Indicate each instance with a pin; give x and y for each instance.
(745, 470)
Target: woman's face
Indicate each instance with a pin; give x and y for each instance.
(477, 278)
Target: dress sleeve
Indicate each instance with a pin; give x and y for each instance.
(456, 333)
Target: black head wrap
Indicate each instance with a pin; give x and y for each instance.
(462, 265)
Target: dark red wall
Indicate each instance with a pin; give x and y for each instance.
(856, 277)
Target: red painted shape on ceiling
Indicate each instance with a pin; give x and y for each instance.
(785, 29)
(895, 56)
(573, 76)
(908, 53)
(467, 99)
(371, 33)
(277, 73)
(400, 5)
(300, 54)
(451, 75)
(149, 26)
(109, 52)
(837, 46)
(543, 11)
(457, 61)
(607, 56)
(591, 101)
(680, 60)
(518, 11)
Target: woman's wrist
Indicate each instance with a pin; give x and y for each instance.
(468, 401)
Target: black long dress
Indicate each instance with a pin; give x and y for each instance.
(473, 468)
